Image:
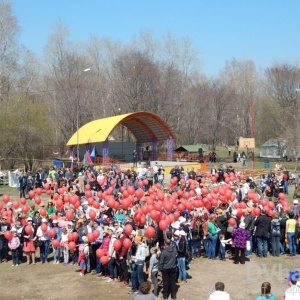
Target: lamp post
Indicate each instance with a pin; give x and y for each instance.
(77, 116)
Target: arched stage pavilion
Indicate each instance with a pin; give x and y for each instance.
(145, 127)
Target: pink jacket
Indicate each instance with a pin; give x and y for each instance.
(14, 243)
(105, 245)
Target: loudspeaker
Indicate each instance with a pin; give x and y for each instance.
(200, 151)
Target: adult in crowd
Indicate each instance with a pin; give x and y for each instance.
(167, 266)
(212, 237)
(239, 239)
(290, 233)
(262, 231)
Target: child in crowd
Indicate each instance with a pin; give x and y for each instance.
(13, 245)
(82, 260)
(223, 244)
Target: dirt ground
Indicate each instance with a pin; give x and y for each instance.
(53, 282)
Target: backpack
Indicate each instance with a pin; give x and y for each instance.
(275, 228)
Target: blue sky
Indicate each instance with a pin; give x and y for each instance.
(264, 31)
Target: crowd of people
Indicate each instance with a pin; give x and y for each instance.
(129, 227)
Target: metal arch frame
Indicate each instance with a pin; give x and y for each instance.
(143, 125)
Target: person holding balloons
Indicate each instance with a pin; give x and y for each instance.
(29, 237)
(42, 234)
(57, 232)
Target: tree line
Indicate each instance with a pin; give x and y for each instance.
(43, 97)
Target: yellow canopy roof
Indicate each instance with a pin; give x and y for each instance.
(144, 126)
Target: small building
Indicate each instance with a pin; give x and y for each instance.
(273, 148)
(190, 152)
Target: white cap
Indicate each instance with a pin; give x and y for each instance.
(19, 210)
(177, 232)
(84, 203)
(182, 232)
(295, 201)
(133, 232)
(176, 225)
(29, 219)
(70, 223)
(54, 221)
(112, 229)
(120, 229)
(44, 220)
(9, 203)
(182, 219)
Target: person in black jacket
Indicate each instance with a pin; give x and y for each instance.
(181, 256)
(262, 231)
(167, 266)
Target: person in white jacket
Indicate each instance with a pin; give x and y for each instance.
(219, 293)
(44, 239)
(137, 275)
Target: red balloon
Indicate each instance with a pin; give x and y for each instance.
(23, 201)
(28, 230)
(271, 205)
(55, 243)
(231, 221)
(128, 229)
(96, 234)
(256, 211)
(59, 203)
(72, 246)
(25, 209)
(99, 253)
(47, 186)
(140, 183)
(39, 191)
(55, 196)
(31, 194)
(74, 236)
(44, 227)
(43, 212)
(88, 194)
(5, 199)
(48, 192)
(117, 245)
(158, 206)
(90, 237)
(52, 233)
(37, 200)
(127, 243)
(96, 204)
(150, 231)
(69, 215)
(87, 187)
(130, 190)
(16, 204)
(8, 235)
(145, 182)
(104, 260)
(92, 214)
(163, 225)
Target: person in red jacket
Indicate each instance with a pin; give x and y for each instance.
(121, 256)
